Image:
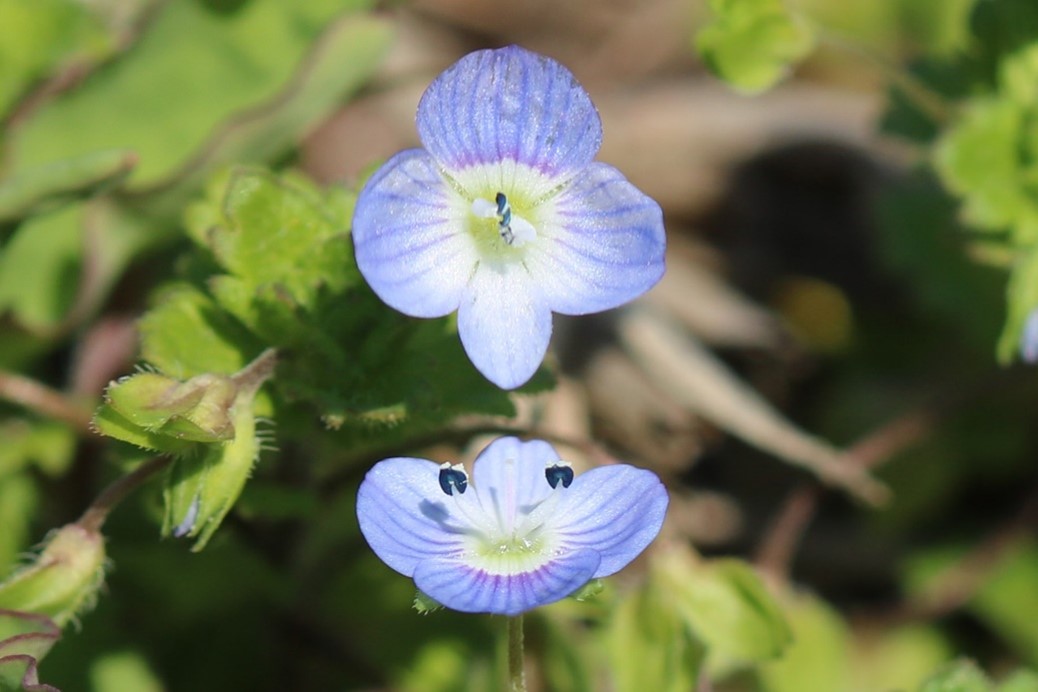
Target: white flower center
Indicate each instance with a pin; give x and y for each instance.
(514, 229)
(503, 538)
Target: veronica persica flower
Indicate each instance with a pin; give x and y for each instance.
(504, 216)
(522, 532)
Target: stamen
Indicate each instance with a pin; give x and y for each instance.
(514, 230)
(559, 472)
(453, 478)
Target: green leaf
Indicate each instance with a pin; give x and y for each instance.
(39, 268)
(18, 503)
(187, 335)
(959, 676)
(978, 159)
(650, 644)
(1020, 681)
(216, 63)
(752, 44)
(727, 606)
(48, 446)
(1009, 600)
(817, 659)
(900, 658)
(124, 670)
(35, 189)
(278, 231)
(1022, 300)
(36, 36)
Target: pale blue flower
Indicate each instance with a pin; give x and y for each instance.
(524, 532)
(504, 216)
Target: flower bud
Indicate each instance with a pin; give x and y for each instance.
(63, 580)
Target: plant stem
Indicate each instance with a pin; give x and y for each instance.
(516, 676)
(94, 517)
(43, 400)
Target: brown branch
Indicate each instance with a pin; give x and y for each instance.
(43, 400)
(787, 529)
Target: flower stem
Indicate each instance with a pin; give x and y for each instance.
(516, 676)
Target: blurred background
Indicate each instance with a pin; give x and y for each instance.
(852, 471)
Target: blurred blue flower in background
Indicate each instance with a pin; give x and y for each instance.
(504, 216)
(527, 532)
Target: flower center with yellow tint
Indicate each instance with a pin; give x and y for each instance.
(497, 227)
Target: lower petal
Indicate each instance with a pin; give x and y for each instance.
(459, 586)
(603, 244)
(409, 237)
(503, 324)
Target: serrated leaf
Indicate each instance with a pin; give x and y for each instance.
(979, 160)
(752, 44)
(186, 334)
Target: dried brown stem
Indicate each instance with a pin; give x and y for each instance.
(783, 537)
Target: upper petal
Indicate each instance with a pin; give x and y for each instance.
(405, 516)
(503, 323)
(470, 590)
(410, 238)
(509, 477)
(510, 105)
(603, 244)
(614, 510)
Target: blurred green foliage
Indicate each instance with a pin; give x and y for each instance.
(146, 147)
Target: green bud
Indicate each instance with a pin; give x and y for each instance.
(200, 490)
(197, 410)
(63, 580)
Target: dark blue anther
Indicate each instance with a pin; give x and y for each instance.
(559, 472)
(453, 478)
(504, 211)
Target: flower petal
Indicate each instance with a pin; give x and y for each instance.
(614, 510)
(603, 244)
(509, 477)
(409, 238)
(461, 587)
(405, 516)
(503, 324)
(510, 104)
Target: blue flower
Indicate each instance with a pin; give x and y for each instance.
(523, 533)
(504, 216)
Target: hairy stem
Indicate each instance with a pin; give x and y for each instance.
(516, 676)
